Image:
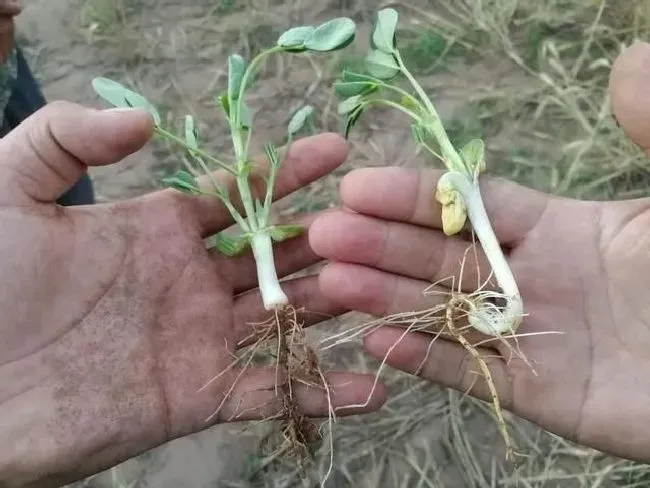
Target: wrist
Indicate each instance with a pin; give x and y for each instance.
(39, 450)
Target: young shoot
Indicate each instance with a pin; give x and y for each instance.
(258, 233)
(458, 189)
(282, 334)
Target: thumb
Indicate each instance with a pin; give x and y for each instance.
(46, 154)
(630, 96)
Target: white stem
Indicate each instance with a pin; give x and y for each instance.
(490, 320)
(272, 295)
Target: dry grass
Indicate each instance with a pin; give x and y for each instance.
(530, 71)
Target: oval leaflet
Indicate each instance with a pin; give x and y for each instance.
(381, 65)
(332, 35)
(121, 97)
(383, 36)
(299, 119)
(296, 36)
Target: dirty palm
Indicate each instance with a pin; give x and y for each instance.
(281, 338)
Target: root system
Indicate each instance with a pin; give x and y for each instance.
(281, 342)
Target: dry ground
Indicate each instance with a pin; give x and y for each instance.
(529, 71)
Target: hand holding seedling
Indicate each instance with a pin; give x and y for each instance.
(114, 316)
(257, 231)
(280, 337)
(457, 189)
(583, 269)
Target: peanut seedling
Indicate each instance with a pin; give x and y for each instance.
(492, 313)
(457, 189)
(291, 352)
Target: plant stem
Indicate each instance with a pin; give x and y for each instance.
(241, 177)
(477, 215)
(404, 93)
(462, 178)
(434, 124)
(241, 147)
(205, 155)
(233, 211)
(247, 74)
(274, 166)
(397, 90)
(236, 215)
(272, 295)
(218, 191)
(253, 65)
(390, 103)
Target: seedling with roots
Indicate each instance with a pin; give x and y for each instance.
(493, 313)
(294, 359)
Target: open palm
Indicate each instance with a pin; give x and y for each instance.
(582, 268)
(114, 316)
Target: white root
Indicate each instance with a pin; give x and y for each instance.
(485, 316)
(273, 296)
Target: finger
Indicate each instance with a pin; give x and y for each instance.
(399, 248)
(10, 8)
(45, 155)
(629, 94)
(307, 160)
(346, 394)
(291, 256)
(408, 195)
(375, 292)
(441, 361)
(304, 294)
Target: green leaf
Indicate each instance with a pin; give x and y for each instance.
(352, 76)
(351, 121)
(410, 103)
(246, 116)
(281, 233)
(349, 105)
(272, 153)
(351, 88)
(182, 181)
(222, 100)
(190, 132)
(245, 169)
(299, 119)
(121, 97)
(231, 246)
(332, 35)
(381, 65)
(473, 153)
(383, 35)
(417, 134)
(259, 208)
(236, 70)
(294, 39)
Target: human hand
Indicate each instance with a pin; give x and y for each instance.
(114, 316)
(582, 269)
